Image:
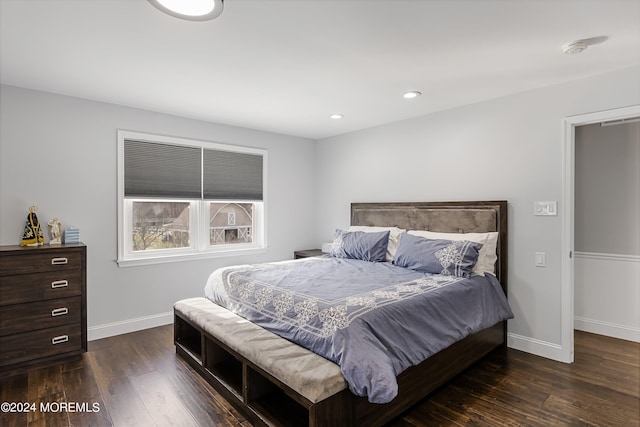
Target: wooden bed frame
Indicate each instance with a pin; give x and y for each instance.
(267, 401)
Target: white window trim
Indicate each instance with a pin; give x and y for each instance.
(200, 248)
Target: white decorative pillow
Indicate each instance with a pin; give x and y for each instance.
(394, 237)
(488, 256)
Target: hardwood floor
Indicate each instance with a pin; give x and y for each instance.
(137, 380)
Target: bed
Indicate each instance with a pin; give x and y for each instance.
(274, 381)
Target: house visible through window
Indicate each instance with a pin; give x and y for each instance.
(184, 198)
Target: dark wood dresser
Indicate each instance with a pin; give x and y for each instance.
(43, 305)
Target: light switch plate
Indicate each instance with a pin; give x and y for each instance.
(545, 208)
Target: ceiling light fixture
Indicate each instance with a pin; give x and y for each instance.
(336, 116)
(411, 94)
(574, 47)
(192, 10)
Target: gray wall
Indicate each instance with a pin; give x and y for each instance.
(509, 148)
(607, 191)
(59, 153)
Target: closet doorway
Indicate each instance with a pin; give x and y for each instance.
(594, 255)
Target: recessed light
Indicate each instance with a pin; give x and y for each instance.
(192, 10)
(411, 94)
(336, 116)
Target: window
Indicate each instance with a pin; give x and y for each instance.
(182, 198)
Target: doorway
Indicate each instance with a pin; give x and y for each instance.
(568, 215)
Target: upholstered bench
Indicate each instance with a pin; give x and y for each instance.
(218, 342)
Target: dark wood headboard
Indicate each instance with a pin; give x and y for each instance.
(446, 217)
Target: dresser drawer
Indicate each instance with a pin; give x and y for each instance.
(28, 346)
(35, 262)
(40, 286)
(31, 316)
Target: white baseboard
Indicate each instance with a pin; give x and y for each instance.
(534, 346)
(554, 351)
(622, 332)
(126, 326)
(515, 341)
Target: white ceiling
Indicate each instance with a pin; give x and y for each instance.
(286, 65)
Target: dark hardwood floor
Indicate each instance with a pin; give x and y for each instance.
(137, 380)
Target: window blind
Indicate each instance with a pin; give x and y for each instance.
(231, 175)
(161, 170)
(184, 172)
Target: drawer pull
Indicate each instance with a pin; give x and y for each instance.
(59, 284)
(59, 312)
(59, 339)
(59, 261)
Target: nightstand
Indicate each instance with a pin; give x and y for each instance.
(306, 253)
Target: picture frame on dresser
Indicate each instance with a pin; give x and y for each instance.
(43, 305)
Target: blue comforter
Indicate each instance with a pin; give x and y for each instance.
(374, 319)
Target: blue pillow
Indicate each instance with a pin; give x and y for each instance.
(360, 245)
(435, 256)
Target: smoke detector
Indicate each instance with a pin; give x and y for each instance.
(574, 47)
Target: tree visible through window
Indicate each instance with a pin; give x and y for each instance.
(160, 225)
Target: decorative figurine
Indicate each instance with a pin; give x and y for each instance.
(32, 234)
(55, 232)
